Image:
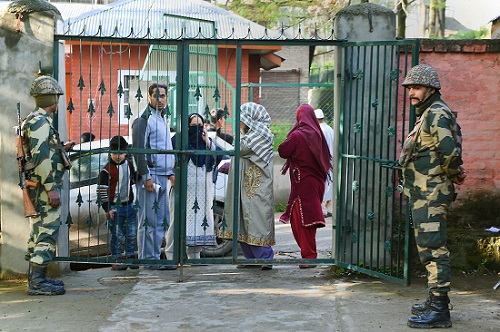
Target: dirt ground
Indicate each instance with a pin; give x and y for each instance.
(223, 298)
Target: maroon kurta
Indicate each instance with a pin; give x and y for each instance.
(307, 180)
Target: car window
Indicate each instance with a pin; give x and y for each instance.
(87, 167)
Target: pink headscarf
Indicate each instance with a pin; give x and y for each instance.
(308, 126)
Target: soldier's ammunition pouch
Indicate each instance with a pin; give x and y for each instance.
(409, 144)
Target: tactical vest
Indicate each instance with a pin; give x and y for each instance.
(408, 151)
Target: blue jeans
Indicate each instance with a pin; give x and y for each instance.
(123, 228)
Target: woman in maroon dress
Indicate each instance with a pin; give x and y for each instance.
(308, 160)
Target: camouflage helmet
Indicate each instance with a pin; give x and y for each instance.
(423, 75)
(45, 85)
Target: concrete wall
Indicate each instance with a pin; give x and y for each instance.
(21, 52)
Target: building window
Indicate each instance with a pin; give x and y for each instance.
(126, 76)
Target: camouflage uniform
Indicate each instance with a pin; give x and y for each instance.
(46, 162)
(43, 148)
(431, 158)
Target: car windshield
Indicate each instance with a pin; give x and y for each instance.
(87, 167)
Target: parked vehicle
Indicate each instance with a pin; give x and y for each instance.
(223, 247)
(88, 235)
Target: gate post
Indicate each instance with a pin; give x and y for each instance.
(359, 88)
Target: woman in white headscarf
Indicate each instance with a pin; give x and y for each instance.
(255, 178)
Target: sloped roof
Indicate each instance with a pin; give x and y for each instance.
(160, 19)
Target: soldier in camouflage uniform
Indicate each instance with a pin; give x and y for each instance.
(431, 160)
(46, 164)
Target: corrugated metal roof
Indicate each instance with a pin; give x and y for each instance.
(133, 18)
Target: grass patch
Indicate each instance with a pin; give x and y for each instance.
(279, 132)
(280, 207)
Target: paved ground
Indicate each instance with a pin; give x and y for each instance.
(223, 298)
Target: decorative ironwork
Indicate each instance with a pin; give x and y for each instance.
(165, 223)
(102, 88)
(204, 224)
(389, 191)
(90, 222)
(146, 224)
(120, 90)
(371, 215)
(359, 74)
(128, 111)
(357, 128)
(69, 220)
(156, 205)
(387, 246)
(111, 110)
(216, 95)
(196, 206)
(79, 199)
(197, 93)
(70, 107)
(394, 74)
(138, 95)
(354, 238)
(81, 84)
(91, 109)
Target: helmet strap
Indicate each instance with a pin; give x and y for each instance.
(426, 94)
(46, 100)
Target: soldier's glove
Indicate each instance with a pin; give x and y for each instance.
(460, 178)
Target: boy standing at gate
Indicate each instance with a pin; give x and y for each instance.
(116, 196)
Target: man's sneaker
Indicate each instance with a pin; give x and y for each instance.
(118, 267)
(162, 267)
(133, 266)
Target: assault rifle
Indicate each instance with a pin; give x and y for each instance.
(24, 182)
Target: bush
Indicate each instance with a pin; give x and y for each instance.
(478, 209)
(279, 132)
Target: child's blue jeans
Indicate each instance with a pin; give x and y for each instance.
(123, 228)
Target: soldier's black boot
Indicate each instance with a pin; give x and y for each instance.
(419, 308)
(38, 284)
(55, 282)
(437, 314)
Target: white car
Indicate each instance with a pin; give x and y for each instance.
(88, 234)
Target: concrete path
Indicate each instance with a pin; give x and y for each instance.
(223, 298)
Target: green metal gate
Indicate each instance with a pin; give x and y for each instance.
(108, 79)
(372, 229)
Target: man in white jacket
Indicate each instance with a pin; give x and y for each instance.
(328, 132)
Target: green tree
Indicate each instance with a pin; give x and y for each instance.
(434, 21)
(310, 14)
(402, 14)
